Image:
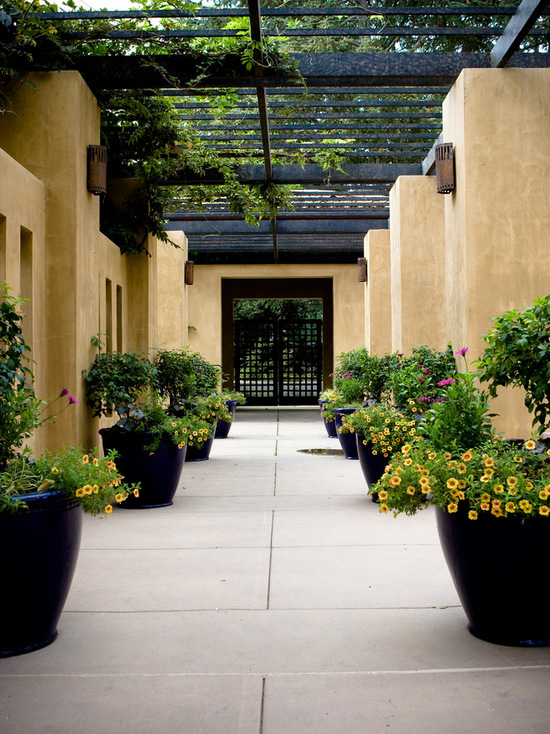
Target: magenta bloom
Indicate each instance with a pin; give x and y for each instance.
(462, 352)
(444, 383)
(72, 401)
(423, 400)
(63, 392)
(420, 379)
(426, 372)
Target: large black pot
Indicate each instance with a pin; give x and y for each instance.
(200, 453)
(330, 426)
(39, 549)
(222, 427)
(158, 473)
(347, 440)
(499, 566)
(372, 465)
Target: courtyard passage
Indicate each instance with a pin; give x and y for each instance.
(271, 598)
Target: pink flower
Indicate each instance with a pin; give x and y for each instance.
(444, 383)
(420, 379)
(63, 392)
(426, 372)
(462, 352)
(423, 400)
(72, 401)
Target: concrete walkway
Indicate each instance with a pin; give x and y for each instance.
(271, 598)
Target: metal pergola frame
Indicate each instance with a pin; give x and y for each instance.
(380, 111)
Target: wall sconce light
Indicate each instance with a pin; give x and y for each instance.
(97, 169)
(189, 272)
(445, 168)
(362, 269)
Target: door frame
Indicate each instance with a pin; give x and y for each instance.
(293, 288)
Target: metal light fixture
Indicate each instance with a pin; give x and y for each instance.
(445, 168)
(189, 272)
(97, 169)
(362, 269)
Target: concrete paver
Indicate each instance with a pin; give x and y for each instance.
(271, 598)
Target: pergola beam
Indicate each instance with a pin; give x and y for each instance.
(306, 225)
(517, 29)
(307, 174)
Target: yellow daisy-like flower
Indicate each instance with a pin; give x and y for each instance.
(530, 445)
(485, 479)
(529, 485)
(461, 484)
(406, 448)
(383, 508)
(452, 483)
(543, 494)
(383, 495)
(485, 497)
(426, 489)
(374, 452)
(55, 470)
(85, 459)
(423, 481)
(119, 497)
(467, 456)
(111, 465)
(387, 420)
(489, 461)
(461, 496)
(518, 459)
(432, 455)
(136, 492)
(108, 509)
(544, 510)
(496, 503)
(408, 461)
(489, 471)
(462, 468)
(174, 425)
(452, 507)
(510, 507)
(472, 515)
(498, 488)
(497, 512)
(80, 492)
(95, 461)
(410, 489)
(525, 505)
(87, 489)
(395, 481)
(485, 506)
(512, 481)
(95, 489)
(448, 456)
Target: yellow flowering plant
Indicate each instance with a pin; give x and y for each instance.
(497, 478)
(93, 482)
(385, 427)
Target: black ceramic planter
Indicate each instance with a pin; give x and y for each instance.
(372, 465)
(330, 426)
(200, 453)
(39, 547)
(347, 440)
(222, 427)
(499, 566)
(158, 473)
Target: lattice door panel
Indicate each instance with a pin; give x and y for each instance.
(278, 363)
(300, 361)
(255, 361)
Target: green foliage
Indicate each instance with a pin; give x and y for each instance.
(386, 428)
(518, 354)
(414, 380)
(277, 309)
(92, 481)
(118, 379)
(496, 478)
(370, 370)
(460, 420)
(175, 378)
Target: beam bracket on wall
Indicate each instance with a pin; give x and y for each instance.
(445, 168)
(97, 169)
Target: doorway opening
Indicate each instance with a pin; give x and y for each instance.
(277, 339)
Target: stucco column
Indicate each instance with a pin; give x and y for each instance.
(497, 220)
(417, 235)
(378, 330)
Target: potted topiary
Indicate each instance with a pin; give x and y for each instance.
(41, 501)
(492, 500)
(149, 442)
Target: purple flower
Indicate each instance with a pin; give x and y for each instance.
(63, 392)
(420, 379)
(72, 401)
(426, 372)
(462, 352)
(423, 400)
(444, 383)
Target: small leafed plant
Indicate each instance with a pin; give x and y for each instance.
(386, 428)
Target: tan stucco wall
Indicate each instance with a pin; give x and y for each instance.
(417, 234)
(74, 264)
(497, 220)
(378, 329)
(206, 294)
